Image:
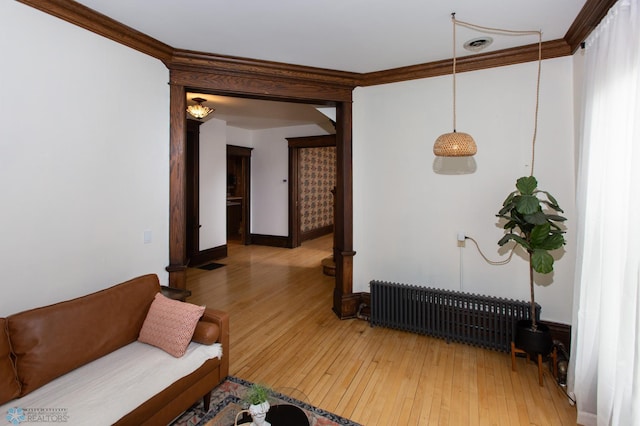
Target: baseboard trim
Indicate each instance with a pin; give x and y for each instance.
(270, 240)
(346, 306)
(208, 255)
(560, 332)
(315, 233)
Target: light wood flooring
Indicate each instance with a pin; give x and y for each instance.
(284, 334)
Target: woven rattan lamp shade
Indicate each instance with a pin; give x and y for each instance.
(455, 144)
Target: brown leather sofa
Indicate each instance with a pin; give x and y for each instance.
(39, 345)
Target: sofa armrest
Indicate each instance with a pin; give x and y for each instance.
(220, 318)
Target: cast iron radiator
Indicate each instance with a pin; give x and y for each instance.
(488, 322)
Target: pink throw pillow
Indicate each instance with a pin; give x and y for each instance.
(170, 324)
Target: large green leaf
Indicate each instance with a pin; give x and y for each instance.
(539, 233)
(509, 198)
(503, 211)
(537, 218)
(526, 185)
(556, 217)
(541, 261)
(528, 204)
(552, 242)
(510, 224)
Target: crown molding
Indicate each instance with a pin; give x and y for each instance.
(89, 19)
(200, 62)
(587, 20)
(186, 60)
(499, 58)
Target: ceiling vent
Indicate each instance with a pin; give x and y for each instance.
(477, 44)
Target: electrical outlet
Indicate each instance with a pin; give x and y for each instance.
(461, 239)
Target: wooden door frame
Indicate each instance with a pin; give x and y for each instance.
(264, 81)
(245, 154)
(295, 145)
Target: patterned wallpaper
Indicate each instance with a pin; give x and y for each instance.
(317, 177)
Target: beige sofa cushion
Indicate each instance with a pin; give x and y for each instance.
(53, 340)
(9, 386)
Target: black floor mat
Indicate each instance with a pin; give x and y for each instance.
(211, 266)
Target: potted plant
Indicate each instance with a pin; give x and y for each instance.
(538, 231)
(257, 397)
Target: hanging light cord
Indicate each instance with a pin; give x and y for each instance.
(535, 123)
(453, 19)
(506, 32)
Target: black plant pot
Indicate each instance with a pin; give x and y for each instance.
(532, 341)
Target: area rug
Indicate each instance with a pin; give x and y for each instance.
(211, 266)
(226, 402)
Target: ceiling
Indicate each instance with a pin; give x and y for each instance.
(254, 114)
(358, 36)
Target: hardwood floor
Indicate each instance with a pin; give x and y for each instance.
(284, 334)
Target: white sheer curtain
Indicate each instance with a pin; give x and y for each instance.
(605, 370)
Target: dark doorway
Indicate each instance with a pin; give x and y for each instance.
(238, 194)
(193, 189)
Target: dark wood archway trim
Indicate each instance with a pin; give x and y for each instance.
(312, 141)
(301, 81)
(177, 188)
(345, 303)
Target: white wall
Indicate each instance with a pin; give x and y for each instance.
(84, 172)
(215, 135)
(213, 184)
(406, 217)
(80, 185)
(239, 137)
(269, 178)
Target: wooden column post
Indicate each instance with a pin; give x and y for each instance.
(345, 303)
(177, 189)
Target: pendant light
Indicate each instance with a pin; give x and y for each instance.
(454, 144)
(198, 110)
